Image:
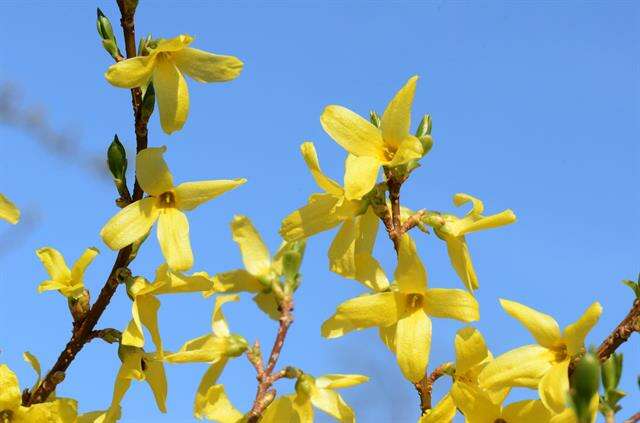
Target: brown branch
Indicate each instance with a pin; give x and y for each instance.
(265, 393)
(425, 386)
(633, 419)
(84, 329)
(622, 332)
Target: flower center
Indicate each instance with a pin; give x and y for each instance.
(6, 416)
(561, 353)
(167, 199)
(500, 421)
(414, 301)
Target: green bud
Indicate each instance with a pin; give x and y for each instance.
(427, 143)
(585, 382)
(291, 372)
(79, 306)
(424, 127)
(144, 45)
(148, 103)
(611, 372)
(117, 159)
(111, 335)
(237, 346)
(105, 30)
(375, 119)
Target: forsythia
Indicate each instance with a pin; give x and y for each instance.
(400, 309)
(166, 204)
(164, 64)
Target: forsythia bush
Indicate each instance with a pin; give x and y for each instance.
(382, 153)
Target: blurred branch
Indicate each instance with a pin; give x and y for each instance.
(33, 121)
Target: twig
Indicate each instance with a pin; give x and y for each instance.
(84, 329)
(425, 386)
(265, 376)
(622, 332)
(633, 419)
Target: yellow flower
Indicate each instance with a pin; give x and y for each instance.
(164, 66)
(69, 283)
(260, 269)
(543, 366)
(145, 304)
(166, 203)
(453, 230)
(58, 410)
(404, 312)
(218, 408)
(314, 392)
(443, 412)
(138, 365)
(371, 147)
(8, 211)
(216, 348)
(472, 356)
(479, 408)
(349, 254)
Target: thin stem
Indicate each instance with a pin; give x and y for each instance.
(265, 393)
(622, 332)
(83, 330)
(633, 419)
(425, 386)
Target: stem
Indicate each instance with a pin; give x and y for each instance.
(633, 419)
(425, 386)
(266, 394)
(83, 330)
(622, 332)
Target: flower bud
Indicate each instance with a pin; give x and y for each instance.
(143, 45)
(237, 346)
(585, 382)
(375, 119)
(117, 161)
(291, 372)
(105, 30)
(148, 103)
(79, 306)
(611, 372)
(424, 128)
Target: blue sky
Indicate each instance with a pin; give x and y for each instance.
(535, 108)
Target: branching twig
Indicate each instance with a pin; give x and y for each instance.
(425, 386)
(83, 330)
(622, 332)
(266, 377)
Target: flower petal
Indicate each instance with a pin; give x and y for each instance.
(130, 224)
(471, 349)
(410, 149)
(352, 132)
(324, 182)
(474, 403)
(171, 45)
(207, 67)
(396, 119)
(152, 171)
(413, 343)
(172, 95)
(503, 218)
(410, 274)
(208, 380)
(255, 255)
(554, 387)
(8, 211)
(317, 216)
(451, 303)
(523, 366)
(443, 412)
(190, 195)
(461, 261)
(543, 327)
(217, 407)
(575, 334)
(528, 411)
(332, 404)
(236, 281)
(280, 410)
(267, 302)
(206, 348)
(10, 395)
(131, 73)
(371, 310)
(173, 235)
(218, 323)
(361, 175)
(54, 263)
(168, 282)
(337, 381)
(337, 326)
(157, 380)
(80, 266)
